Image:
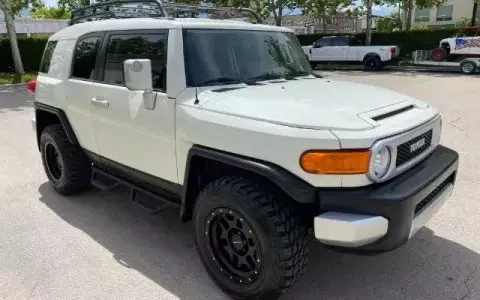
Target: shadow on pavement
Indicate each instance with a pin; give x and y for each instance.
(162, 249)
(14, 98)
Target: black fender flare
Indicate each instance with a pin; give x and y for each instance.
(295, 187)
(62, 117)
(371, 54)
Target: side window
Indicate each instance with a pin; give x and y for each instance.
(47, 56)
(128, 46)
(355, 42)
(323, 42)
(85, 57)
(340, 41)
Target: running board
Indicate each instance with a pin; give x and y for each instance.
(153, 203)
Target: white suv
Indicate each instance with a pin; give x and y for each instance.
(226, 120)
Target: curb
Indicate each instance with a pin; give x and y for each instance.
(13, 84)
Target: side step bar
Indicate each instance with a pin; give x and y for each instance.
(153, 203)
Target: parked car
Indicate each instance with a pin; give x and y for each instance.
(226, 120)
(350, 49)
(465, 44)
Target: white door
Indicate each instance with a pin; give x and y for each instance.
(128, 133)
(321, 50)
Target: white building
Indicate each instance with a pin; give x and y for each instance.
(451, 12)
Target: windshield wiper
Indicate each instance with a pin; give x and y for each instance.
(226, 80)
(267, 76)
(297, 74)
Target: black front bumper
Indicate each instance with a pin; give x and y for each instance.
(397, 199)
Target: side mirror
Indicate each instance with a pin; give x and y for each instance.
(138, 77)
(138, 74)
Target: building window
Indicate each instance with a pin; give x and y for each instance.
(422, 15)
(444, 13)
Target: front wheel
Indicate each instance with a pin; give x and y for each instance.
(251, 240)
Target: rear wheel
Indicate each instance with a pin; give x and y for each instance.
(65, 164)
(468, 67)
(372, 63)
(252, 240)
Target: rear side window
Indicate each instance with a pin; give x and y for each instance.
(85, 57)
(143, 46)
(47, 56)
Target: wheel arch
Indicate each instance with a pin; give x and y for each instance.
(371, 54)
(205, 164)
(47, 115)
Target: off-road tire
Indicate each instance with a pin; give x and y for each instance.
(75, 170)
(372, 63)
(282, 234)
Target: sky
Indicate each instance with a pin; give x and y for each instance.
(378, 10)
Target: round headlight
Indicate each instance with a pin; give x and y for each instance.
(381, 162)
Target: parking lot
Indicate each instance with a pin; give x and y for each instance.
(100, 246)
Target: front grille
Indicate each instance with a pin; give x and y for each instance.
(413, 147)
(432, 195)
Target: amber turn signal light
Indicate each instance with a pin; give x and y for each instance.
(336, 162)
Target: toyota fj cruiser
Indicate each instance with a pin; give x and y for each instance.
(225, 119)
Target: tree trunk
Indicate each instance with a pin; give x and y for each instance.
(405, 6)
(368, 37)
(474, 13)
(12, 35)
(324, 24)
(409, 15)
(278, 18)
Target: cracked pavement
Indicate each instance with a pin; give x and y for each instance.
(99, 246)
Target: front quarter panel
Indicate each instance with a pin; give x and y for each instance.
(277, 144)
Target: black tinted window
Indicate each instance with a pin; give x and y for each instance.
(340, 41)
(355, 42)
(145, 46)
(223, 56)
(47, 56)
(324, 42)
(85, 57)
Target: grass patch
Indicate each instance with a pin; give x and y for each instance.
(9, 78)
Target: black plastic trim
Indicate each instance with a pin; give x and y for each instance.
(395, 199)
(293, 186)
(154, 184)
(61, 116)
(393, 113)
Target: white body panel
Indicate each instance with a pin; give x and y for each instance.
(348, 53)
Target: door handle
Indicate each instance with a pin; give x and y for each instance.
(98, 102)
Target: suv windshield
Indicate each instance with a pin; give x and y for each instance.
(216, 57)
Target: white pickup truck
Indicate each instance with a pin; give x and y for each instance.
(350, 49)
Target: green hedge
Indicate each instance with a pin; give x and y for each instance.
(31, 50)
(408, 41)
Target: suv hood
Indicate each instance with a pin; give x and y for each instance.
(312, 103)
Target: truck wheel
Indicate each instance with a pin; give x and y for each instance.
(250, 239)
(65, 164)
(468, 67)
(372, 63)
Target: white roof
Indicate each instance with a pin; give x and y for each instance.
(77, 30)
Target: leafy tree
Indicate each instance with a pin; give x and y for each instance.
(264, 8)
(10, 9)
(323, 9)
(389, 23)
(51, 13)
(72, 4)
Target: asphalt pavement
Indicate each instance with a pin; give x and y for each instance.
(100, 246)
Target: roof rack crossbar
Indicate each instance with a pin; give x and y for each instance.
(119, 9)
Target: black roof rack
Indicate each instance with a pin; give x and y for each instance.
(119, 9)
(209, 12)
